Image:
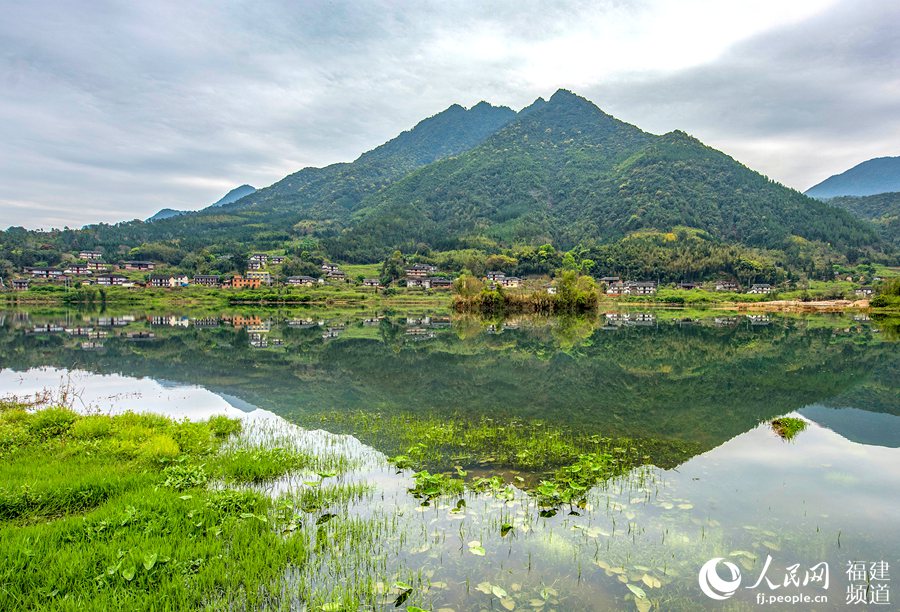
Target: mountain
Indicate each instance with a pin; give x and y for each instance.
(883, 210)
(232, 196)
(334, 191)
(566, 172)
(316, 199)
(879, 175)
(165, 213)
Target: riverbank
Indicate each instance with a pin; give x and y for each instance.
(801, 307)
(139, 511)
(489, 303)
(206, 297)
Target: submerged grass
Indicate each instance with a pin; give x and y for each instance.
(511, 445)
(255, 465)
(555, 465)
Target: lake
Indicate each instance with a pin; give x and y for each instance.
(681, 403)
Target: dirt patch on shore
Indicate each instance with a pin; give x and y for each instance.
(798, 306)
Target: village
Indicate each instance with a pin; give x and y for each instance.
(88, 268)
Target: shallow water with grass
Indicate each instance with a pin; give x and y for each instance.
(414, 460)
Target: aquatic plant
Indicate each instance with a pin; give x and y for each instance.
(429, 486)
(787, 428)
(259, 464)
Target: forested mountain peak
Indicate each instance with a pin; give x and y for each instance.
(568, 173)
(447, 133)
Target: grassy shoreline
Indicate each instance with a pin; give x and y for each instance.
(100, 512)
(499, 303)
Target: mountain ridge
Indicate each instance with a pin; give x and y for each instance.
(232, 196)
(881, 209)
(871, 177)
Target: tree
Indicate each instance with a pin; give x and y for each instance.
(393, 268)
(467, 285)
(504, 263)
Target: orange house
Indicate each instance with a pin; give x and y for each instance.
(242, 321)
(239, 282)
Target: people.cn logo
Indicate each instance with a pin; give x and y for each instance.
(713, 586)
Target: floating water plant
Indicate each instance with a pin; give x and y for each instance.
(787, 428)
(429, 486)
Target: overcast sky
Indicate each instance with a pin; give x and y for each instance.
(113, 110)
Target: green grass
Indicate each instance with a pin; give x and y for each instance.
(255, 465)
(366, 270)
(102, 512)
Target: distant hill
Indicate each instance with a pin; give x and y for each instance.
(879, 175)
(883, 210)
(232, 196)
(166, 213)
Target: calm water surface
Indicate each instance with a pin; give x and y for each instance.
(718, 481)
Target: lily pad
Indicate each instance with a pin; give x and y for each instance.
(484, 587)
(638, 591)
(650, 581)
(128, 573)
(743, 553)
(642, 605)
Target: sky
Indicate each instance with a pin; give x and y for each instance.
(111, 111)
